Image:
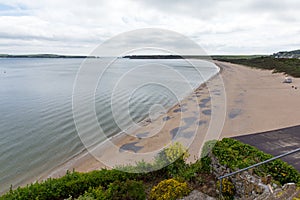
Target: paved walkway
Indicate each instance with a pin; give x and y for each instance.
(277, 142)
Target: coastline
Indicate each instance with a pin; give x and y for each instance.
(253, 96)
(127, 142)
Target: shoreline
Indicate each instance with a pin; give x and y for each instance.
(253, 98)
(234, 125)
(85, 162)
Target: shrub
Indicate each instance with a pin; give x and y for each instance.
(139, 167)
(237, 155)
(72, 184)
(228, 189)
(128, 190)
(95, 193)
(170, 189)
(176, 151)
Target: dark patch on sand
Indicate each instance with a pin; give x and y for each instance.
(207, 112)
(130, 147)
(189, 121)
(202, 105)
(177, 110)
(234, 113)
(176, 131)
(201, 122)
(180, 110)
(205, 100)
(166, 118)
(142, 135)
(179, 131)
(188, 135)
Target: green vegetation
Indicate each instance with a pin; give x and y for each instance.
(234, 57)
(237, 155)
(228, 189)
(175, 180)
(170, 189)
(116, 184)
(290, 66)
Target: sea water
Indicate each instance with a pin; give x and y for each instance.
(37, 129)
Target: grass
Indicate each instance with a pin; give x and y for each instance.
(290, 66)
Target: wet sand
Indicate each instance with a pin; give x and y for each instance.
(253, 101)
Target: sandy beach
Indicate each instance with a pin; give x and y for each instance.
(258, 100)
(249, 101)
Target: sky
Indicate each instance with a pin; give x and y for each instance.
(77, 27)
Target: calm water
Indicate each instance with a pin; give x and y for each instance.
(37, 129)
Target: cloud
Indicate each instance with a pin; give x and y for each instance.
(77, 27)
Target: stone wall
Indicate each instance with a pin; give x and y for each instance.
(247, 184)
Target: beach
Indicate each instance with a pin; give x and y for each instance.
(258, 100)
(239, 101)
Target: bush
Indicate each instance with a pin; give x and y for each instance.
(72, 184)
(91, 194)
(128, 190)
(170, 189)
(228, 189)
(176, 151)
(237, 155)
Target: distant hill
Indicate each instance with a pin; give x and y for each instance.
(153, 57)
(42, 56)
(166, 57)
(287, 54)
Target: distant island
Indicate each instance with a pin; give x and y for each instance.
(43, 56)
(153, 57)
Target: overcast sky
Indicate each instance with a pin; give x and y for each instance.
(218, 26)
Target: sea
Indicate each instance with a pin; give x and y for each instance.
(38, 132)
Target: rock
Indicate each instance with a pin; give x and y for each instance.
(196, 195)
(249, 186)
